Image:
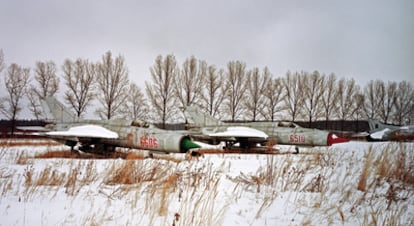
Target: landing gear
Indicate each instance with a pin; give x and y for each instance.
(229, 145)
(100, 149)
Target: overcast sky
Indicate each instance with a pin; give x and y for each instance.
(361, 39)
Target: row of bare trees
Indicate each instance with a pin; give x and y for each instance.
(238, 93)
(232, 93)
(105, 82)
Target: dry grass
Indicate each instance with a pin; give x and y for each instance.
(27, 142)
(134, 156)
(57, 154)
(50, 177)
(71, 187)
(131, 172)
(22, 158)
(169, 185)
(362, 184)
(396, 163)
(28, 175)
(170, 191)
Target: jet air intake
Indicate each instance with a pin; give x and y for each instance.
(175, 143)
(187, 144)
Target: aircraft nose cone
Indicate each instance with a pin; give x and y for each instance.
(335, 139)
(187, 144)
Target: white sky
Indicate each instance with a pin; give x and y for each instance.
(361, 39)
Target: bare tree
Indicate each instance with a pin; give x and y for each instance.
(112, 82)
(79, 78)
(45, 75)
(347, 93)
(371, 92)
(161, 91)
(386, 102)
(359, 108)
(329, 98)
(294, 88)
(255, 87)
(135, 105)
(189, 82)
(313, 91)
(16, 81)
(1, 60)
(214, 91)
(34, 103)
(274, 93)
(404, 103)
(235, 86)
(47, 85)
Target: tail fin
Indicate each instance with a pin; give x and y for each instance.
(198, 118)
(375, 125)
(56, 111)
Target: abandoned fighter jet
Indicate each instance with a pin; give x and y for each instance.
(249, 134)
(386, 132)
(103, 136)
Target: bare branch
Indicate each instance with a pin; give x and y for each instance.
(45, 75)
(294, 94)
(313, 91)
(404, 103)
(273, 93)
(235, 86)
(161, 91)
(1, 60)
(188, 83)
(255, 86)
(347, 93)
(16, 81)
(79, 78)
(135, 105)
(214, 91)
(329, 98)
(112, 80)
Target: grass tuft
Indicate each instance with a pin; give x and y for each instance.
(362, 184)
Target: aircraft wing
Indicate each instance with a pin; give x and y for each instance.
(240, 131)
(379, 135)
(85, 131)
(33, 128)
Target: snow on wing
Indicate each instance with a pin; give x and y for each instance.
(90, 131)
(380, 134)
(239, 131)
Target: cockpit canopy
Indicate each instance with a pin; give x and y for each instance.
(140, 123)
(287, 124)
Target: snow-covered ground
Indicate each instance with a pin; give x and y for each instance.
(356, 183)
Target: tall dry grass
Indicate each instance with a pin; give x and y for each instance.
(188, 193)
(362, 184)
(397, 163)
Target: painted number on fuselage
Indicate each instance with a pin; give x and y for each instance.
(295, 138)
(148, 142)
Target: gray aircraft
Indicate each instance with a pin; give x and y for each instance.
(103, 136)
(386, 132)
(250, 134)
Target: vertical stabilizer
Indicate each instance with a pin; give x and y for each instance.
(375, 125)
(56, 111)
(195, 116)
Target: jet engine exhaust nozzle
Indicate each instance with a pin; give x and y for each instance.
(335, 139)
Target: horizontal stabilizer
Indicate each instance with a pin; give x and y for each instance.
(32, 128)
(379, 134)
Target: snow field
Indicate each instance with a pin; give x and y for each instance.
(354, 183)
